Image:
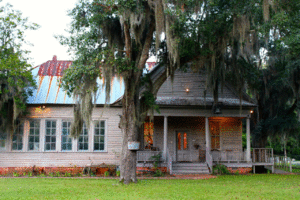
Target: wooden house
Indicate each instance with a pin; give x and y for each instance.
(190, 135)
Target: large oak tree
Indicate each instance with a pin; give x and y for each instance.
(224, 37)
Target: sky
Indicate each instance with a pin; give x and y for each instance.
(53, 20)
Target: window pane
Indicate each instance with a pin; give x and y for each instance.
(30, 146)
(96, 146)
(36, 139)
(36, 146)
(102, 131)
(47, 138)
(47, 146)
(63, 147)
(86, 139)
(185, 143)
(48, 124)
(101, 146)
(69, 146)
(102, 124)
(179, 141)
(102, 139)
(86, 146)
(52, 146)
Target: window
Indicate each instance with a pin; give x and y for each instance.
(148, 135)
(215, 135)
(182, 141)
(66, 140)
(50, 140)
(83, 139)
(34, 135)
(2, 141)
(99, 135)
(17, 138)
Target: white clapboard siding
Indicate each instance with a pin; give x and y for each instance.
(111, 155)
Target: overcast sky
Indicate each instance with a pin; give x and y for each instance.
(52, 17)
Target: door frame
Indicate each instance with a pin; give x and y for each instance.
(175, 141)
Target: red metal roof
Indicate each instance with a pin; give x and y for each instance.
(53, 67)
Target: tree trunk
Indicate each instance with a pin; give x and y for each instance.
(129, 127)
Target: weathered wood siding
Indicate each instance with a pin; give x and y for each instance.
(195, 82)
(110, 155)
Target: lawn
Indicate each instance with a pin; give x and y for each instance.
(223, 187)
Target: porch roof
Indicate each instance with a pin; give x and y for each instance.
(201, 101)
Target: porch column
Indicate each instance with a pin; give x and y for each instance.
(207, 136)
(248, 156)
(165, 137)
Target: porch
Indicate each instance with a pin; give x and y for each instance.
(259, 157)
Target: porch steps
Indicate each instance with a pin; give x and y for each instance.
(189, 168)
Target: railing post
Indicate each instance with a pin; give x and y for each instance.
(291, 170)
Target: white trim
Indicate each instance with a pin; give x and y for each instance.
(60, 138)
(105, 135)
(56, 125)
(58, 135)
(40, 139)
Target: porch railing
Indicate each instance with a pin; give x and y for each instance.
(145, 156)
(229, 156)
(262, 155)
(282, 162)
(209, 159)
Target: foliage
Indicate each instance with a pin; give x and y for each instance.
(156, 160)
(220, 169)
(106, 174)
(16, 80)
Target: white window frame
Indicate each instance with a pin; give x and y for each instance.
(56, 135)
(39, 142)
(68, 136)
(21, 126)
(88, 135)
(105, 135)
(4, 138)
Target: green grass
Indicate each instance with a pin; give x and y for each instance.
(223, 187)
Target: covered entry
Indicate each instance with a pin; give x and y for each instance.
(185, 151)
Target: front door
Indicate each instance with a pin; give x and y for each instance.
(182, 146)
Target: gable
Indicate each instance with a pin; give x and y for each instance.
(187, 89)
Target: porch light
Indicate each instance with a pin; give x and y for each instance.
(251, 111)
(43, 107)
(218, 110)
(187, 90)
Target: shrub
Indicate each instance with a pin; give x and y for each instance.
(106, 174)
(118, 173)
(221, 169)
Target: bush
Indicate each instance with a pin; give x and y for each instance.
(221, 169)
(106, 174)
